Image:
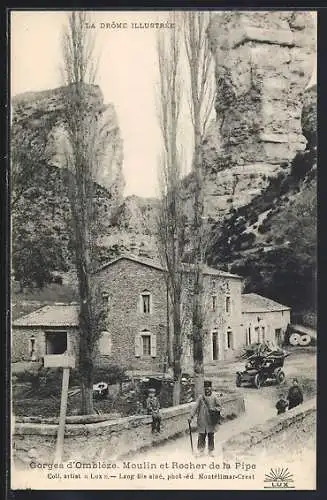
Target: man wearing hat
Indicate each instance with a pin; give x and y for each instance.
(208, 410)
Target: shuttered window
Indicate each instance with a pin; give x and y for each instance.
(145, 344)
(105, 344)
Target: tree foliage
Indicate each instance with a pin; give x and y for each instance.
(171, 220)
(86, 140)
(201, 101)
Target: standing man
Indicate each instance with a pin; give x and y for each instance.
(208, 410)
(295, 395)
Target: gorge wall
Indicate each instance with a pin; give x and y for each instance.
(263, 64)
(33, 111)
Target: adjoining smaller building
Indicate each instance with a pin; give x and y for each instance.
(264, 319)
(52, 329)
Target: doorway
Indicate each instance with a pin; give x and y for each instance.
(55, 342)
(215, 346)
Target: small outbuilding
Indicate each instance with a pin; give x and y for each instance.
(264, 319)
(52, 329)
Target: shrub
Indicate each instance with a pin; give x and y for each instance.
(47, 381)
(262, 229)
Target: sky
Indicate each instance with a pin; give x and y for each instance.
(127, 76)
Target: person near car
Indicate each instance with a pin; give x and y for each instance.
(205, 405)
(281, 404)
(295, 395)
(153, 408)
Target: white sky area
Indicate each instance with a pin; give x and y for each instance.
(127, 76)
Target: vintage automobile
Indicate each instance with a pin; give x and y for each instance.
(262, 366)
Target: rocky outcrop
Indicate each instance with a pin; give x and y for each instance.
(263, 63)
(33, 111)
(309, 116)
(271, 240)
(133, 228)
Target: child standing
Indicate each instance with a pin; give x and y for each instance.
(153, 407)
(281, 404)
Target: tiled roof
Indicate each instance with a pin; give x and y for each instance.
(157, 265)
(252, 302)
(54, 315)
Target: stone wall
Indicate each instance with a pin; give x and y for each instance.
(125, 280)
(283, 434)
(21, 346)
(270, 320)
(109, 439)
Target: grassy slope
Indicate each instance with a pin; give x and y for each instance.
(30, 300)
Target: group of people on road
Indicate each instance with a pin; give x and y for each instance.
(293, 398)
(208, 410)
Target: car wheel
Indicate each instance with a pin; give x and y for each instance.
(280, 377)
(238, 380)
(257, 381)
(304, 340)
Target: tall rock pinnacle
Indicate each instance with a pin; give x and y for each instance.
(263, 63)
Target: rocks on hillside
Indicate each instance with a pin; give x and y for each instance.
(309, 116)
(263, 64)
(133, 228)
(35, 110)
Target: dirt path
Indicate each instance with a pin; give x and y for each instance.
(259, 405)
(258, 408)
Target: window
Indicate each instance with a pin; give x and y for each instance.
(146, 345)
(215, 346)
(55, 342)
(214, 302)
(257, 333)
(228, 303)
(263, 333)
(278, 336)
(32, 352)
(229, 339)
(248, 336)
(105, 344)
(146, 302)
(213, 284)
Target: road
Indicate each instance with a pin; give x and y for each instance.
(259, 405)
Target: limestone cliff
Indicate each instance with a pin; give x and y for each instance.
(263, 64)
(271, 240)
(33, 110)
(40, 199)
(132, 228)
